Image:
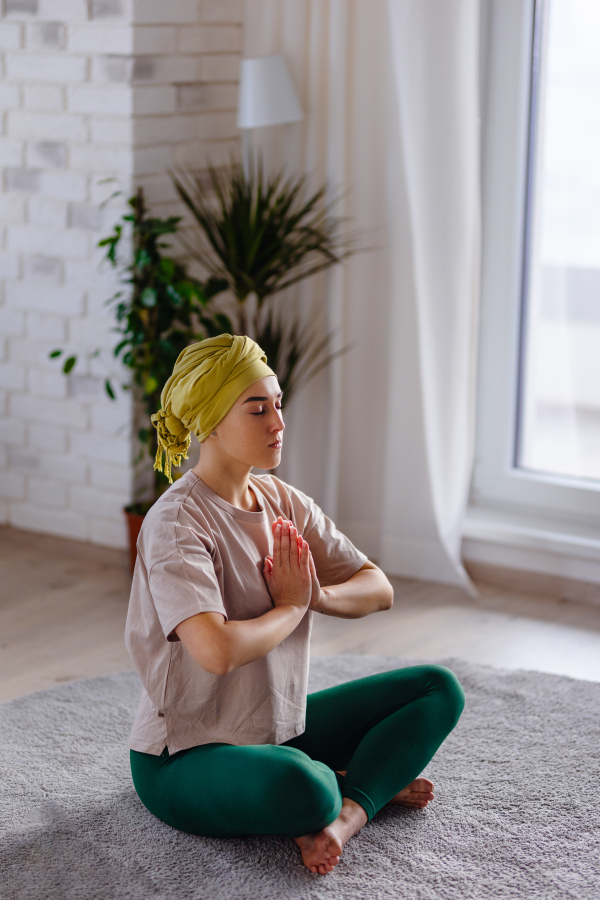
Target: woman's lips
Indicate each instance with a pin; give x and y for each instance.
(276, 445)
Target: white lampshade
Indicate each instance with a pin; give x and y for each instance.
(267, 95)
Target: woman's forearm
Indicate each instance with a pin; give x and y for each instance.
(219, 646)
(249, 639)
(365, 592)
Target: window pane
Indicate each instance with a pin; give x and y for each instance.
(559, 418)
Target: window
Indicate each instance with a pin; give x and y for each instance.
(535, 499)
(558, 428)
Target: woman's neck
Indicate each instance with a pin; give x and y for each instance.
(229, 482)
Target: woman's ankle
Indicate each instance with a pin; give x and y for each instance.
(353, 816)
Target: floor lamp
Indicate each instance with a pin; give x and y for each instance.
(267, 97)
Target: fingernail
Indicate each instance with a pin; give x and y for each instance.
(278, 528)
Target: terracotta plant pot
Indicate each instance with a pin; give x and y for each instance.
(134, 524)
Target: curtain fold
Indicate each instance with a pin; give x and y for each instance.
(383, 439)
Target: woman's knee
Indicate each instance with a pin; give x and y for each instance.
(313, 797)
(445, 682)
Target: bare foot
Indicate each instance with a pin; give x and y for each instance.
(321, 851)
(418, 793)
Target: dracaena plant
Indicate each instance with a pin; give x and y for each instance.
(157, 311)
(256, 235)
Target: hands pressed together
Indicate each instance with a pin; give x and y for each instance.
(290, 574)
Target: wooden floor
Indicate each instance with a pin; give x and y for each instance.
(63, 606)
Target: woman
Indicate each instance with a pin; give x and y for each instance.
(230, 567)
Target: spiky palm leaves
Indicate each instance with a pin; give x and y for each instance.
(258, 235)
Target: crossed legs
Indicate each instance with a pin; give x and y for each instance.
(381, 731)
(378, 733)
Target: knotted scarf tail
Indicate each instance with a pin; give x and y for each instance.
(173, 457)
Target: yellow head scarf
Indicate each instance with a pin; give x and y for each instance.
(207, 379)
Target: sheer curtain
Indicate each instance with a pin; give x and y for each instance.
(383, 439)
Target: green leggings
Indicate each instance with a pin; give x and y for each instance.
(382, 729)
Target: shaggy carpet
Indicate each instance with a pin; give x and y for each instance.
(516, 813)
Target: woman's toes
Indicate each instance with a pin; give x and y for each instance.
(328, 866)
(418, 793)
(421, 784)
(321, 851)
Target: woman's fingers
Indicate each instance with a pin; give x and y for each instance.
(294, 561)
(285, 545)
(305, 559)
(277, 546)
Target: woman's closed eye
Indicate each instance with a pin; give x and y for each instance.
(260, 413)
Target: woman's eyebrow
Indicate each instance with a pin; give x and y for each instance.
(280, 394)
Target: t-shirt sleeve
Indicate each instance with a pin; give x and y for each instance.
(183, 585)
(336, 558)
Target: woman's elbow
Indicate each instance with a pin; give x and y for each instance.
(387, 596)
(219, 670)
(207, 642)
(216, 664)
(212, 659)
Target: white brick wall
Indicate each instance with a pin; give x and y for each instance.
(92, 89)
(185, 95)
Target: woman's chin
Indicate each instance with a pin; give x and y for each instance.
(270, 460)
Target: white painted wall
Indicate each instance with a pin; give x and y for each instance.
(90, 90)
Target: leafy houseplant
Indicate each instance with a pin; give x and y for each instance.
(157, 316)
(261, 236)
(256, 235)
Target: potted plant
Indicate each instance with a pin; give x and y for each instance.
(256, 235)
(158, 313)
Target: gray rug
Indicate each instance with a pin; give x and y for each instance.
(516, 814)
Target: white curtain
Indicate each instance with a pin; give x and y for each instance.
(383, 439)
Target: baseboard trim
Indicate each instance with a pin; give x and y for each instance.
(544, 584)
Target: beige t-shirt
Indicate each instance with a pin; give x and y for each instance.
(199, 553)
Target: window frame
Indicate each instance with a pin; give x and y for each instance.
(507, 504)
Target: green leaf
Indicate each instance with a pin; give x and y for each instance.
(167, 268)
(54, 354)
(150, 384)
(120, 346)
(68, 364)
(142, 259)
(111, 197)
(109, 390)
(148, 297)
(173, 294)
